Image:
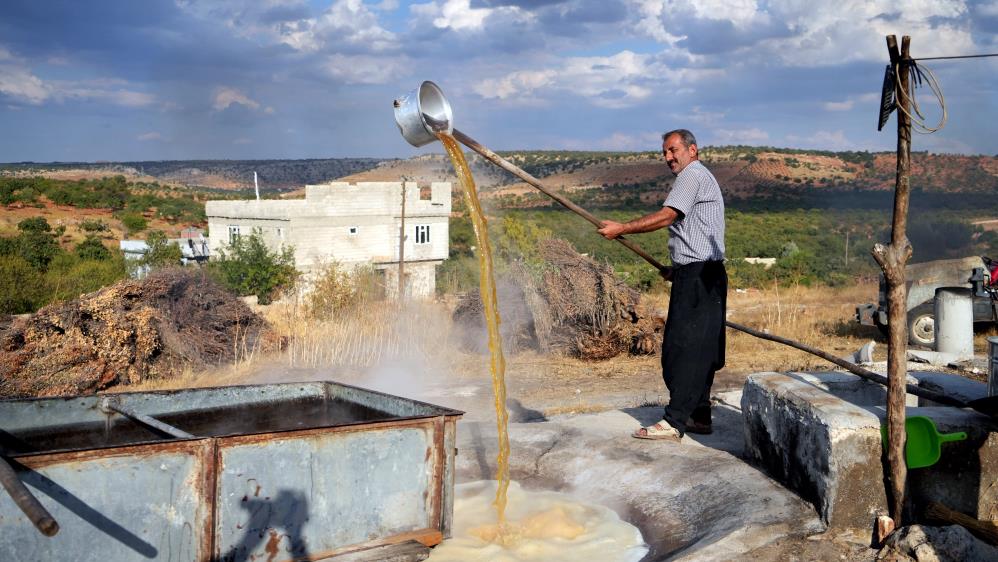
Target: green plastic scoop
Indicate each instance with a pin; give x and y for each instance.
(922, 447)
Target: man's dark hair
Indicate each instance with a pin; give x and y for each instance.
(684, 134)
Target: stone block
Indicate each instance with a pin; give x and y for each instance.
(819, 435)
(823, 448)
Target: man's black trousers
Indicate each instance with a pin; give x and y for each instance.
(693, 345)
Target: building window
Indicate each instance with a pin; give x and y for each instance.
(233, 234)
(280, 233)
(353, 231)
(422, 234)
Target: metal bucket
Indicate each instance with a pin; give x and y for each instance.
(993, 366)
(427, 99)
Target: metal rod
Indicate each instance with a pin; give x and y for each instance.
(516, 171)
(851, 367)
(26, 501)
(148, 421)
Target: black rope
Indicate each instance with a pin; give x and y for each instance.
(959, 57)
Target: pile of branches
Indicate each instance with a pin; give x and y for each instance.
(575, 306)
(130, 332)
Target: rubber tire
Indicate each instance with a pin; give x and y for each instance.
(921, 325)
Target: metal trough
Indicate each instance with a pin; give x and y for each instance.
(270, 472)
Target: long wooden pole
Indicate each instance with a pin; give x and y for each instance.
(401, 289)
(892, 259)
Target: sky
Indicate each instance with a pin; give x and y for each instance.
(125, 80)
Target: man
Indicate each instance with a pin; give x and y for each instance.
(693, 345)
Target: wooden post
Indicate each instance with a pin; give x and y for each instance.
(892, 259)
(401, 293)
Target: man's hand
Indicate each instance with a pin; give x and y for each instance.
(666, 273)
(610, 229)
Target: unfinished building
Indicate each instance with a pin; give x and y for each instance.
(350, 225)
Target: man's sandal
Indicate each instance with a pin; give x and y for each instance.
(659, 431)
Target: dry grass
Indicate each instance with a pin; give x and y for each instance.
(821, 317)
(364, 335)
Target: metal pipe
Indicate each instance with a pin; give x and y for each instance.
(107, 404)
(26, 501)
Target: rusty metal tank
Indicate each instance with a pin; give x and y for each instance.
(267, 472)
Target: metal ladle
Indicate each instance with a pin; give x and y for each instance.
(424, 112)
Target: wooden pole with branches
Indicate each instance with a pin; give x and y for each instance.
(892, 259)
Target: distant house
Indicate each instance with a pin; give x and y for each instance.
(193, 249)
(349, 224)
(765, 262)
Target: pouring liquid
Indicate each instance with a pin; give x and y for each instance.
(487, 287)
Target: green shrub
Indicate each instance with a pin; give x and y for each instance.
(249, 267)
(134, 222)
(161, 252)
(34, 224)
(93, 225)
(69, 277)
(22, 287)
(92, 249)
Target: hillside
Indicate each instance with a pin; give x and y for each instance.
(608, 179)
(274, 175)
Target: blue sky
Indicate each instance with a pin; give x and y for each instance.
(186, 79)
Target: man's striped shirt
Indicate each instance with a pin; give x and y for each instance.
(699, 234)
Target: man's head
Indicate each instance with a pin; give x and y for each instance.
(679, 148)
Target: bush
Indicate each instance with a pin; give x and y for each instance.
(34, 224)
(161, 252)
(92, 249)
(336, 289)
(249, 267)
(69, 277)
(21, 286)
(92, 225)
(134, 222)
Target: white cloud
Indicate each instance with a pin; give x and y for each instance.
(837, 105)
(243, 140)
(814, 33)
(615, 81)
(454, 14)
(848, 103)
(367, 69)
(648, 140)
(18, 82)
(751, 135)
(150, 136)
(826, 140)
(225, 97)
(347, 22)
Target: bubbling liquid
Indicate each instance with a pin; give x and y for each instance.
(540, 526)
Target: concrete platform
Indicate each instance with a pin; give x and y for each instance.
(819, 434)
(697, 500)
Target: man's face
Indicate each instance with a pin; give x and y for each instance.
(677, 155)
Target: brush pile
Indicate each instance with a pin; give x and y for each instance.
(578, 308)
(132, 331)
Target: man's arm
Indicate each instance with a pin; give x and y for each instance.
(648, 223)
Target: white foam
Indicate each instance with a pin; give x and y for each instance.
(545, 526)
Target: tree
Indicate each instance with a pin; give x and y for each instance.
(21, 286)
(249, 267)
(161, 252)
(92, 249)
(34, 224)
(134, 222)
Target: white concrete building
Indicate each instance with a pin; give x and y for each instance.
(350, 224)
